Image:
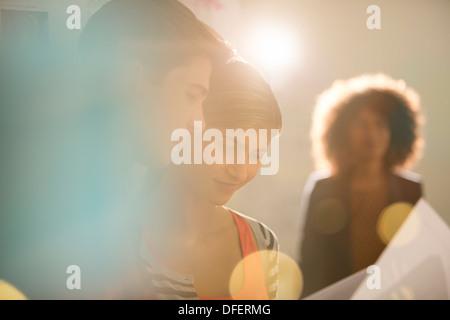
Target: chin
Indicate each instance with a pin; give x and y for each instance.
(220, 200)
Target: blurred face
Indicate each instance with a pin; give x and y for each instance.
(369, 135)
(163, 108)
(216, 183)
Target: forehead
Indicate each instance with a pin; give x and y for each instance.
(369, 111)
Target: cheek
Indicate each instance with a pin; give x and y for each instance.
(193, 179)
(201, 176)
(387, 135)
(252, 171)
(174, 104)
(156, 118)
(386, 140)
(208, 171)
(173, 107)
(180, 112)
(354, 138)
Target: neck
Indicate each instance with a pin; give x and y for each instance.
(369, 171)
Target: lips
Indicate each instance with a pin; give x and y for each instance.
(227, 186)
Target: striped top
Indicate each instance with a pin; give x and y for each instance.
(254, 236)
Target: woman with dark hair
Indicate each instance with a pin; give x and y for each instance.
(365, 133)
(193, 246)
(105, 115)
(146, 69)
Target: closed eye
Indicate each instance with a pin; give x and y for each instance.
(193, 98)
(196, 93)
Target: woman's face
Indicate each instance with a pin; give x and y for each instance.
(216, 183)
(369, 135)
(177, 103)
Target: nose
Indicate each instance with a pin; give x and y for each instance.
(238, 172)
(373, 132)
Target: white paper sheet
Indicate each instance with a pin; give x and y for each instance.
(416, 263)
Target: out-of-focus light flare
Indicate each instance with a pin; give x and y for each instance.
(403, 293)
(290, 278)
(274, 49)
(392, 218)
(9, 292)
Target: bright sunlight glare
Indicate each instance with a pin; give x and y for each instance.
(274, 49)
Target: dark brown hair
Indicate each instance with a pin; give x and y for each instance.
(163, 34)
(335, 109)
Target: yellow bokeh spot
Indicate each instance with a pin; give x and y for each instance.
(329, 216)
(255, 273)
(391, 219)
(403, 293)
(9, 292)
(290, 279)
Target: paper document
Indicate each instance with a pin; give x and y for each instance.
(416, 263)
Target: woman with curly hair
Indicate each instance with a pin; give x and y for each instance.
(365, 134)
